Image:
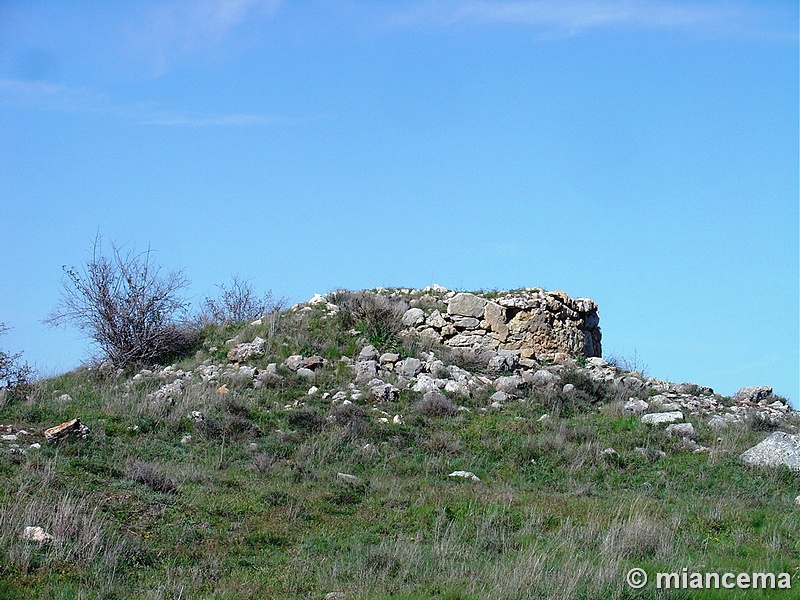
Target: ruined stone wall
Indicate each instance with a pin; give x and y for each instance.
(536, 324)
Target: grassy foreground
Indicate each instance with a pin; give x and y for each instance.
(281, 494)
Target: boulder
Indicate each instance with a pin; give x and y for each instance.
(509, 385)
(466, 305)
(753, 394)
(408, 367)
(413, 317)
(294, 362)
(64, 430)
(368, 352)
(366, 370)
(779, 448)
(680, 430)
(635, 406)
(242, 352)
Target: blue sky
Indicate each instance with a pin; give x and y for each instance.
(640, 153)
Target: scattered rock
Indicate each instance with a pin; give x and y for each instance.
(665, 417)
(37, 534)
(243, 352)
(294, 362)
(680, 430)
(779, 448)
(367, 353)
(413, 317)
(465, 475)
(635, 406)
(70, 428)
(753, 394)
(466, 305)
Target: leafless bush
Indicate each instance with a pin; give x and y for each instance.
(150, 475)
(14, 376)
(127, 308)
(378, 317)
(237, 303)
(435, 404)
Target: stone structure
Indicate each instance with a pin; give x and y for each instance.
(533, 323)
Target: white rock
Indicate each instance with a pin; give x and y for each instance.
(37, 534)
(465, 475)
(635, 406)
(347, 477)
(665, 417)
(681, 430)
(186, 439)
(397, 420)
(779, 448)
(312, 390)
(413, 317)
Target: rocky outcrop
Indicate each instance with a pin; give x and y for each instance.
(538, 325)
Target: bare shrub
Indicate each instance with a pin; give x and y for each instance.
(237, 303)
(125, 306)
(379, 318)
(14, 376)
(263, 463)
(435, 404)
(150, 475)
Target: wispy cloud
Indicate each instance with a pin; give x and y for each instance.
(55, 97)
(574, 17)
(233, 120)
(179, 29)
(46, 95)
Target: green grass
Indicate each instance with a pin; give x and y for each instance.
(258, 509)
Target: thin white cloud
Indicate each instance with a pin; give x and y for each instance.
(573, 17)
(232, 120)
(182, 28)
(55, 97)
(47, 95)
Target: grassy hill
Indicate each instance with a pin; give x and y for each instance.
(208, 479)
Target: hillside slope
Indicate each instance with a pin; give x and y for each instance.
(340, 449)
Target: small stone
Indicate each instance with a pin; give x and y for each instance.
(197, 416)
(223, 389)
(347, 477)
(465, 475)
(397, 420)
(37, 534)
(186, 439)
(73, 427)
(499, 397)
(312, 390)
(35, 446)
(305, 372)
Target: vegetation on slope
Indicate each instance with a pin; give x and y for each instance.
(232, 491)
